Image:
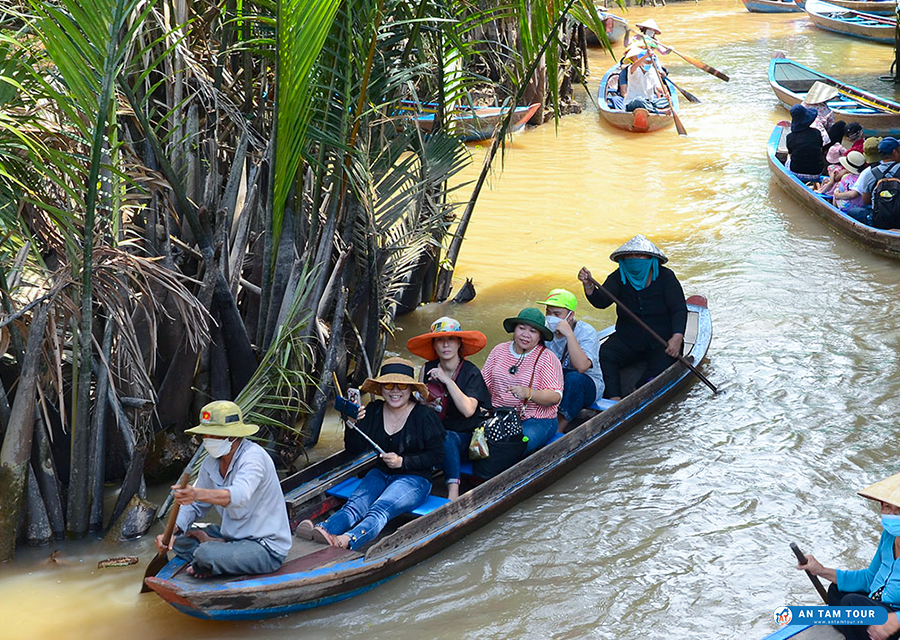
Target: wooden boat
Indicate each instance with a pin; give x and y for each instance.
(615, 29)
(609, 87)
(877, 240)
(806, 632)
(316, 574)
(772, 6)
(873, 7)
(791, 80)
(833, 18)
(472, 124)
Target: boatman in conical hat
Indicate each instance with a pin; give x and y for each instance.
(816, 99)
(879, 585)
(650, 29)
(237, 478)
(653, 293)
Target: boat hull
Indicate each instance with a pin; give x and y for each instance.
(345, 574)
(872, 7)
(481, 123)
(615, 30)
(791, 80)
(771, 6)
(625, 120)
(832, 18)
(877, 240)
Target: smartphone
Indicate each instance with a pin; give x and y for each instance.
(354, 396)
(346, 408)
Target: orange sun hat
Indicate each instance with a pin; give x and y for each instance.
(423, 345)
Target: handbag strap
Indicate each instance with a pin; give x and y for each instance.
(531, 382)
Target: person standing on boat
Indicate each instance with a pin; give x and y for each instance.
(879, 585)
(816, 99)
(413, 440)
(238, 478)
(525, 375)
(650, 29)
(576, 344)
(456, 390)
(653, 293)
(889, 150)
(804, 145)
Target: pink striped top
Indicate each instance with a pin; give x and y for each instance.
(498, 378)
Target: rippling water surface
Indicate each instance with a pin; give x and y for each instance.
(681, 527)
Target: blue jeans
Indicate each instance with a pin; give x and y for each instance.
(579, 392)
(456, 445)
(538, 431)
(231, 557)
(654, 105)
(378, 498)
(861, 214)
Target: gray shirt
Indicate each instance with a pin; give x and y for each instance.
(587, 339)
(257, 510)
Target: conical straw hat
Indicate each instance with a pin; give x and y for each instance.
(649, 24)
(639, 244)
(887, 490)
(820, 92)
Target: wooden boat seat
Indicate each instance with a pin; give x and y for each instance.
(347, 487)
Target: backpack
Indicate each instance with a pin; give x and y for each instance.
(886, 197)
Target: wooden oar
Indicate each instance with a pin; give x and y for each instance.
(653, 333)
(679, 127)
(818, 585)
(697, 63)
(689, 96)
(163, 557)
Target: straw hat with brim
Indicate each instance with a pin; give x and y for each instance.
(854, 162)
(649, 24)
(223, 418)
(820, 92)
(398, 371)
(533, 318)
(423, 345)
(640, 245)
(886, 491)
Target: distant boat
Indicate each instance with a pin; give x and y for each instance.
(471, 124)
(874, 7)
(609, 88)
(877, 240)
(771, 6)
(831, 17)
(791, 80)
(615, 29)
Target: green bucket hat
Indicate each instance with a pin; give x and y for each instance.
(533, 318)
(561, 298)
(223, 418)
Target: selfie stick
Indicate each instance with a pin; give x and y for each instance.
(352, 425)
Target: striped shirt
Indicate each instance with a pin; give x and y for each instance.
(548, 375)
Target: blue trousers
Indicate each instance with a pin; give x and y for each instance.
(861, 214)
(539, 431)
(579, 392)
(231, 557)
(378, 498)
(837, 598)
(653, 106)
(456, 446)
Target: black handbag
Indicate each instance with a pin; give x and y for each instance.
(503, 424)
(503, 431)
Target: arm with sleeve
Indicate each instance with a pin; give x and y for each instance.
(190, 513)
(675, 302)
(861, 580)
(613, 284)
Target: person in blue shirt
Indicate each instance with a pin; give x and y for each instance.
(879, 585)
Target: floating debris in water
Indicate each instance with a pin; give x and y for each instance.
(122, 561)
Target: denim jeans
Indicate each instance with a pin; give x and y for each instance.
(837, 598)
(456, 446)
(231, 557)
(579, 392)
(861, 214)
(378, 498)
(654, 105)
(539, 431)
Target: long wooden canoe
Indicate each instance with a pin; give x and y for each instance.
(806, 632)
(877, 240)
(772, 6)
(833, 18)
(478, 123)
(791, 80)
(616, 27)
(316, 574)
(873, 7)
(609, 87)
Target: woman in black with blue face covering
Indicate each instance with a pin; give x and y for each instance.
(654, 294)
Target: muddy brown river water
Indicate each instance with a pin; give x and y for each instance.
(680, 528)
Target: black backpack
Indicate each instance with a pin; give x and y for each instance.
(886, 197)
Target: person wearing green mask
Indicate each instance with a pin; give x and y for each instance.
(879, 585)
(654, 294)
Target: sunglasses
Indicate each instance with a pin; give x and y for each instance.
(390, 386)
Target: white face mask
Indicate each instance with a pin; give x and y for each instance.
(552, 322)
(217, 448)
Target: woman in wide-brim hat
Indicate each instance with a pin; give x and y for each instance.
(806, 159)
(523, 374)
(654, 294)
(412, 438)
(879, 584)
(455, 387)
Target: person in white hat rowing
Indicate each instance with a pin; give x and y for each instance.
(238, 478)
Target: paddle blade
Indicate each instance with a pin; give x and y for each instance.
(678, 126)
(155, 566)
